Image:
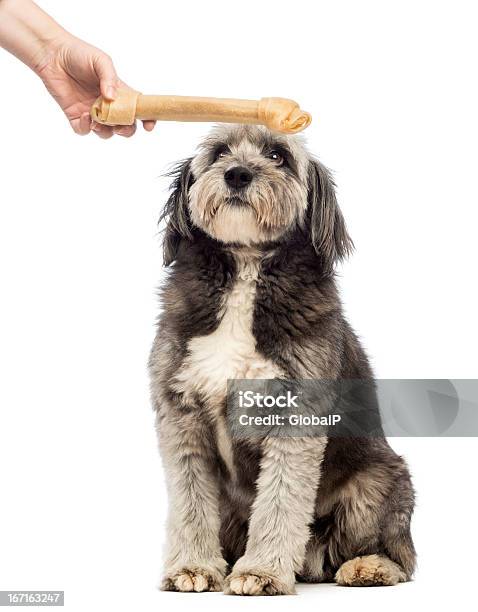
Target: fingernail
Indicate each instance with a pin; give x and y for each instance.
(110, 92)
(124, 131)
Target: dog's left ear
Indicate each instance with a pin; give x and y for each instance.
(327, 226)
(175, 213)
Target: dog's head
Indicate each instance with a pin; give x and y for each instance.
(248, 186)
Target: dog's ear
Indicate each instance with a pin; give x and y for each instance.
(328, 232)
(175, 213)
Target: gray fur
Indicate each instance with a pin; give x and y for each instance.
(251, 294)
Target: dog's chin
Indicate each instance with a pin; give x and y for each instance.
(237, 223)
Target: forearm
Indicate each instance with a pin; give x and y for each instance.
(74, 72)
(28, 32)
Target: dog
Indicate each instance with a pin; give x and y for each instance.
(253, 233)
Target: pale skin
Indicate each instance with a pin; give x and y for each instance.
(74, 72)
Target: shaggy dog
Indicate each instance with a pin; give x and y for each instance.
(253, 233)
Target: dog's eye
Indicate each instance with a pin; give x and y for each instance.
(220, 152)
(276, 157)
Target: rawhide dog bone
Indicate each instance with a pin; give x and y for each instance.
(278, 114)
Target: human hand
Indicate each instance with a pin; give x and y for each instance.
(76, 73)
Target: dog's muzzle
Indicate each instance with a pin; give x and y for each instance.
(238, 177)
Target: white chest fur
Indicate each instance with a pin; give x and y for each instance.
(230, 351)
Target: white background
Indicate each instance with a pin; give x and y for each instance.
(392, 90)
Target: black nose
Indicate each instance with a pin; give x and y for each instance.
(238, 177)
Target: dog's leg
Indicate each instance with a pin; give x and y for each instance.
(281, 514)
(193, 558)
(367, 535)
(370, 570)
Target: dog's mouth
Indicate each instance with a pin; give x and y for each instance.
(236, 201)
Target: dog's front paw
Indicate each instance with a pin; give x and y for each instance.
(194, 579)
(258, 582)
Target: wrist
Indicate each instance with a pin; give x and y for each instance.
(29, 33)
(46, 49)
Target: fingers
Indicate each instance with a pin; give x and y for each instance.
(103, 131)
(125, 130)
(85, 124)
(105, 70)
(82, 124)
(149, 125)
(106, 131)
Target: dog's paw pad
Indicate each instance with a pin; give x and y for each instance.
(370, 570)
(192, 581)
(256, 584)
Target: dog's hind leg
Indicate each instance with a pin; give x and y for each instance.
(316, 567)
(370, 570)
(395, 533)
(391, 559)
(395, 564)
(372, 541)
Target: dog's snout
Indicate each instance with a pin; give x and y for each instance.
(238, 177)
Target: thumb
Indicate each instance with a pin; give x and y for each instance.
(105, 70)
